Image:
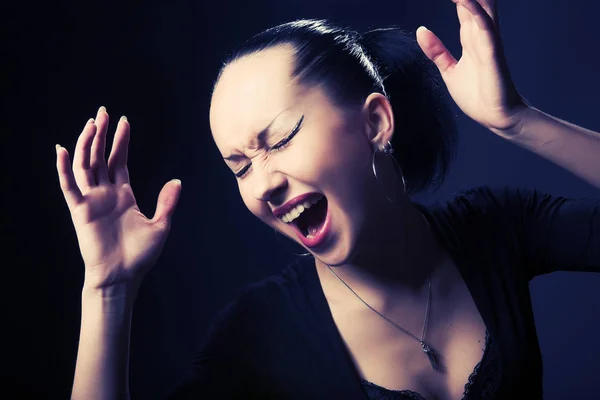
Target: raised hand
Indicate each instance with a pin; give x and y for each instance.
(479, 82)
(117, 242)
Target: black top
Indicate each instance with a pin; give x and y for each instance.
(482, 383)
(278, 339)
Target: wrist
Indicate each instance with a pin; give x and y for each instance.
(519, 118)
(114, 299)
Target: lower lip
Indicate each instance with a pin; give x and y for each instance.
(321, 235)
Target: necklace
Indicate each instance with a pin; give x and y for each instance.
(424, 346)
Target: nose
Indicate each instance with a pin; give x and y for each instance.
(269, 186)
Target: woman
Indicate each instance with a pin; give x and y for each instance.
(396, 300)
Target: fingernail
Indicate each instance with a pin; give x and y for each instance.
(57, 147)
(102, 109)
(123, 118)
(90, 121)
(177, 181)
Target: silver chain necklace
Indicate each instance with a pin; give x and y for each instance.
(424, 346)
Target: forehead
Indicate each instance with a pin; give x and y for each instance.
(251, 92)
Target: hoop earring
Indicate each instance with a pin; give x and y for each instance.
(388, 150)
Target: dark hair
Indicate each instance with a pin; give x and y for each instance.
(350, 66)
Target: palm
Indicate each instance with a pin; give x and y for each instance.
(479, 82)
(118, 243)
(115, 239)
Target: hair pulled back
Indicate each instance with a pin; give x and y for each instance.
(350, 66)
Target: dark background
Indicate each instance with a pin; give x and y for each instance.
(155, 61)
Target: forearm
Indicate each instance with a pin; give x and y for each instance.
(102, 369)
(574, 148)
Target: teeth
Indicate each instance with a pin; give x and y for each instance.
(295, 213)
(299, 209)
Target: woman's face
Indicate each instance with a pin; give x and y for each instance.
(283, 140)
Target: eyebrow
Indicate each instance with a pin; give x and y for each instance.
(261, 137)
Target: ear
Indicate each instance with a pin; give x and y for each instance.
(379, 119)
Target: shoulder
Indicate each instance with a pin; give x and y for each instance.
(489, 202)
(238, 345)
(271, 290)
(260, 304)
(509, 215)
(516, 204)
(482, 213)
(485, 199)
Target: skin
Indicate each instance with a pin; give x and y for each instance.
(382, 249)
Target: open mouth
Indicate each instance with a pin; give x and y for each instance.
(311, 220)
(308, 217)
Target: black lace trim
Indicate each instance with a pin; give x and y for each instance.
(482, 383)
(376, 392)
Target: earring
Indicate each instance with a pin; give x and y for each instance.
(388, 150)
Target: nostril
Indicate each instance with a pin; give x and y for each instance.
(277, 195)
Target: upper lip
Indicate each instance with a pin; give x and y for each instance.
(290, 204)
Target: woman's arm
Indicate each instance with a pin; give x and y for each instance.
(102, 369)
(480, 84)
(572, 147)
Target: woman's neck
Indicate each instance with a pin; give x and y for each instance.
(395, 255)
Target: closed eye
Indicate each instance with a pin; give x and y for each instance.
(283, 142)
(277, 147)
(243, 171)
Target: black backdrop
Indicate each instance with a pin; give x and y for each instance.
(155, 61)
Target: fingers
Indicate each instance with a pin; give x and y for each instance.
(97, 160)
(491, 8)
(167, 201)
(89, 168)
(435, 50)
(82, 171)
(66, 178)
(117, 162)
(483, 17)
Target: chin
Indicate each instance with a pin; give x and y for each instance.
(340, 249)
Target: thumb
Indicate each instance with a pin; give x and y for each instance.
(435, 50)
(167, 201)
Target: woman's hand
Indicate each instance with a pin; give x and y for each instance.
(117, 242)
(479, 82)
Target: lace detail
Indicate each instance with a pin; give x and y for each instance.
(471, 380)
(482, 383)
(376, 392)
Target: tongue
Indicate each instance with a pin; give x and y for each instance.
(313, 229)
(315, 217)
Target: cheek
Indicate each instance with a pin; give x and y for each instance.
(344, 162)
(328, 154)
(348, 173)
(252, 204)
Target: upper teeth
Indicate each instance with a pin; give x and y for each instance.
(299, 209)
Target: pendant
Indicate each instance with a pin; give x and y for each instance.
(430, 354)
